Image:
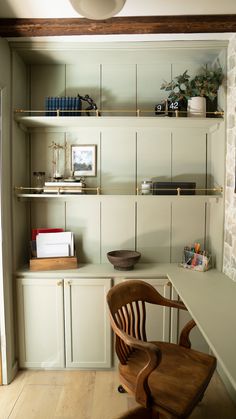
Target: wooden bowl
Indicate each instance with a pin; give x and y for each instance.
(123, 260)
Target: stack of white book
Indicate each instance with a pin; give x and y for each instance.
(55, 244)
(64, 187)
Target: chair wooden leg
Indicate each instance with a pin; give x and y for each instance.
(121, 389)
(201, 397)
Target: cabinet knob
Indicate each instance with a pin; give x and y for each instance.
(59, 283)
(69, 283)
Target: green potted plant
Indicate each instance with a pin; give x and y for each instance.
(194, 92)
(207, 83)
(205, 86)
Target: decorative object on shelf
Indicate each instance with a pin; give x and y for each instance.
(204, 88)
(204, 85)
(174, 188)
(146, 187)
(52, 249)
(161, 109)
(98, 9)
(63, 106)
(177, 108)
(207, 82)
(197, 107)
(196, 259)
(38, 181)
(123, 260)
(83, 159)
(91, 104)
(171, 108)
(56, 159)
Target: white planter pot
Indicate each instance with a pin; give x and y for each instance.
(197, 107)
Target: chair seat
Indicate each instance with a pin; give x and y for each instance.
(179, 381)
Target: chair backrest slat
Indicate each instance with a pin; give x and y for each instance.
(144, 336)
(120, 345)
(125, 350)
(127, 320)
(138, 319)
(132, 315)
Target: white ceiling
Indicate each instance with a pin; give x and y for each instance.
(63, 8)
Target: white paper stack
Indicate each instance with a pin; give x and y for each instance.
(55, 244)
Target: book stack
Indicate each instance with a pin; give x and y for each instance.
(64, 187)
(62, 106)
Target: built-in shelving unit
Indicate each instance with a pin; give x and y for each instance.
(132, 143)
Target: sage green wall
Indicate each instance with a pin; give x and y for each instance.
(6, 285)
(20, 162)
(159, 227)
(119, 79)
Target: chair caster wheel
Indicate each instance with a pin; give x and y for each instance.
(121, 389)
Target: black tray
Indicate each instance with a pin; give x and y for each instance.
(170, 188)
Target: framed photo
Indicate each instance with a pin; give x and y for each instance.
(83, 160)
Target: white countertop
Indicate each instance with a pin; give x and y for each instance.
(209, 296)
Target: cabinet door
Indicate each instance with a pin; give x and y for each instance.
(41, 322)
(87, 326)
(157, 317)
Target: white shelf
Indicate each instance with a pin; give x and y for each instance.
(205, 198)
(70, 122)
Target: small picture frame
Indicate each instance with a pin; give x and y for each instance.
(83, 159)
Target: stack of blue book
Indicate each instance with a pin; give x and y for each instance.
(63, 106)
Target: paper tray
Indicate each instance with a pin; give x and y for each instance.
(55, 263)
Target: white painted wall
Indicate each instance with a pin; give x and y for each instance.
(63, 8)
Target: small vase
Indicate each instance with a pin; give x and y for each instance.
(197, 107)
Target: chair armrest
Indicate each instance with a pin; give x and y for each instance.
(142, 391)
(184, 335)
(163, 301)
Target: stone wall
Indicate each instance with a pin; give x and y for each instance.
(229, 264)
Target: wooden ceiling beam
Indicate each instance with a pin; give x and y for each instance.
(118, 25)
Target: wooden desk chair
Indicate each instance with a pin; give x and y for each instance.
(168, 379)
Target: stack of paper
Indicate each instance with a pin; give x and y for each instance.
(55, 244)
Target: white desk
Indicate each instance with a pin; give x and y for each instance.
(211, 300)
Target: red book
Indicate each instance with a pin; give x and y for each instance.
(36, 231)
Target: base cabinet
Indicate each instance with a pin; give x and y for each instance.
(63, 323)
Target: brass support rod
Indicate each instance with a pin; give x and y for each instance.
(98, 112)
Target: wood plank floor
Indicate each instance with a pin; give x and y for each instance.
(90, 395)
